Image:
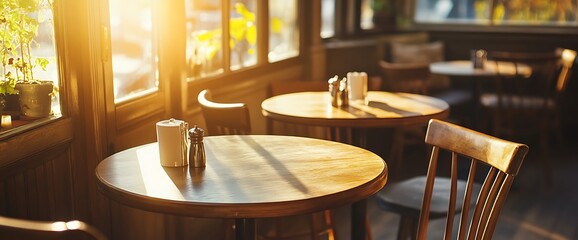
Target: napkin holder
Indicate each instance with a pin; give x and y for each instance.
(173, 140)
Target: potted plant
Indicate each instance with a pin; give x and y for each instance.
(19, 22)
(7, 91)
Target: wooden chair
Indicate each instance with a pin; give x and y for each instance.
(224, 118)
(417, 78)
(483, 153)
(528, 106)
(510, 99)
(233, 118)
(405, 77)
(12, 228)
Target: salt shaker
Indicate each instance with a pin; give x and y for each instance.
(334, 91)
(344, 90)
(197, 149)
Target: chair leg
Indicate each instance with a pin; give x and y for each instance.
(396, 153)
(229, 225)
(407, 228)
(329, 222)
(368, 229)
(321, 224)
(545, 152)
(325, 228)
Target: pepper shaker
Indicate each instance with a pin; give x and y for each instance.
(197, 149)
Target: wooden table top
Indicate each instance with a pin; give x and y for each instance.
(465, 68)
(246, 176)
(383, 109)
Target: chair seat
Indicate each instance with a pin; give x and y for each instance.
(405, 197)
(454, 97)
(490, 100)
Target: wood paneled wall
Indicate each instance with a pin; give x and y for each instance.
(36, 174)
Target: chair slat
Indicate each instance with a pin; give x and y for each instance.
(463, 227)
(453, 193)
(499, 203)
(424, 215)
(482, 195)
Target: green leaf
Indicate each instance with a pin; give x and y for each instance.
(252, 35)
(42, 63)
(241, 9)
(238, 27)
(276, 25)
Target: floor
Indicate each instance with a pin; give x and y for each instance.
(533, 209)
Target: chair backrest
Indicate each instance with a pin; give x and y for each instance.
(503, 158)
(12, 228)
(540, 83)
(224, 118)
(567, 60)
(405, 77)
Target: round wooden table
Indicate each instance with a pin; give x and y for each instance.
(381, 109)
(248, 177)
(464, 68)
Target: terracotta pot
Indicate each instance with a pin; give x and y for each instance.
(35, 99)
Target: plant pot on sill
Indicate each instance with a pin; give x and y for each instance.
(35, 99)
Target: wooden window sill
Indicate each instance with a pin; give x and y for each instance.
(21, 125)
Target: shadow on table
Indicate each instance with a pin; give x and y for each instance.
(387, 107)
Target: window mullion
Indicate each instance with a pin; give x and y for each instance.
(226, 17)
(262, 32)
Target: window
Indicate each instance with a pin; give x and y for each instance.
(28, 54)
(45, 48)
(353, 17)
(204, 38)
(283, 30)
(514, 12)
(367, 14)
(327, 18)
(209, 56)
(133, 48)
(243, 33)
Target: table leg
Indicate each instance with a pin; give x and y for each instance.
(359, 220)
(245, 229)
(476, 94)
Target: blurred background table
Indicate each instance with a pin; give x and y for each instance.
(463, 70)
